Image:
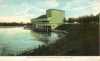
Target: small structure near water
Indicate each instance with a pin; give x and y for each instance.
(50, 21)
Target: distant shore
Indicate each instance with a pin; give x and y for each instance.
(10, 26)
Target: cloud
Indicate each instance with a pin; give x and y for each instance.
(3, 3)
(27, 10)
(46, 4)
(96, 7)
(14, 19)
(35, 8)
(41, 6)
(77, 8)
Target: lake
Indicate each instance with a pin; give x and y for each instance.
(16, 40)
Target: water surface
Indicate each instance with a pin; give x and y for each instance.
(16, 40)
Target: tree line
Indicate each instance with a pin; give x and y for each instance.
(14, 24)
(85, 19)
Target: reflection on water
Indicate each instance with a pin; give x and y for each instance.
(18, 40)
(47, 38)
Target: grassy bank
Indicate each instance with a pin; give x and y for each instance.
(82, 39)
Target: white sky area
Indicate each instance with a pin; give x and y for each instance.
(24, 10)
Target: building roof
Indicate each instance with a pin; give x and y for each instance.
(42, 16)
(55, 10)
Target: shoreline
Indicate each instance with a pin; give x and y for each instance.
(10, 26)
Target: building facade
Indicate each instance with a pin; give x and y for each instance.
(51, 20)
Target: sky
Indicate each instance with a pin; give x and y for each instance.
(24, 10)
